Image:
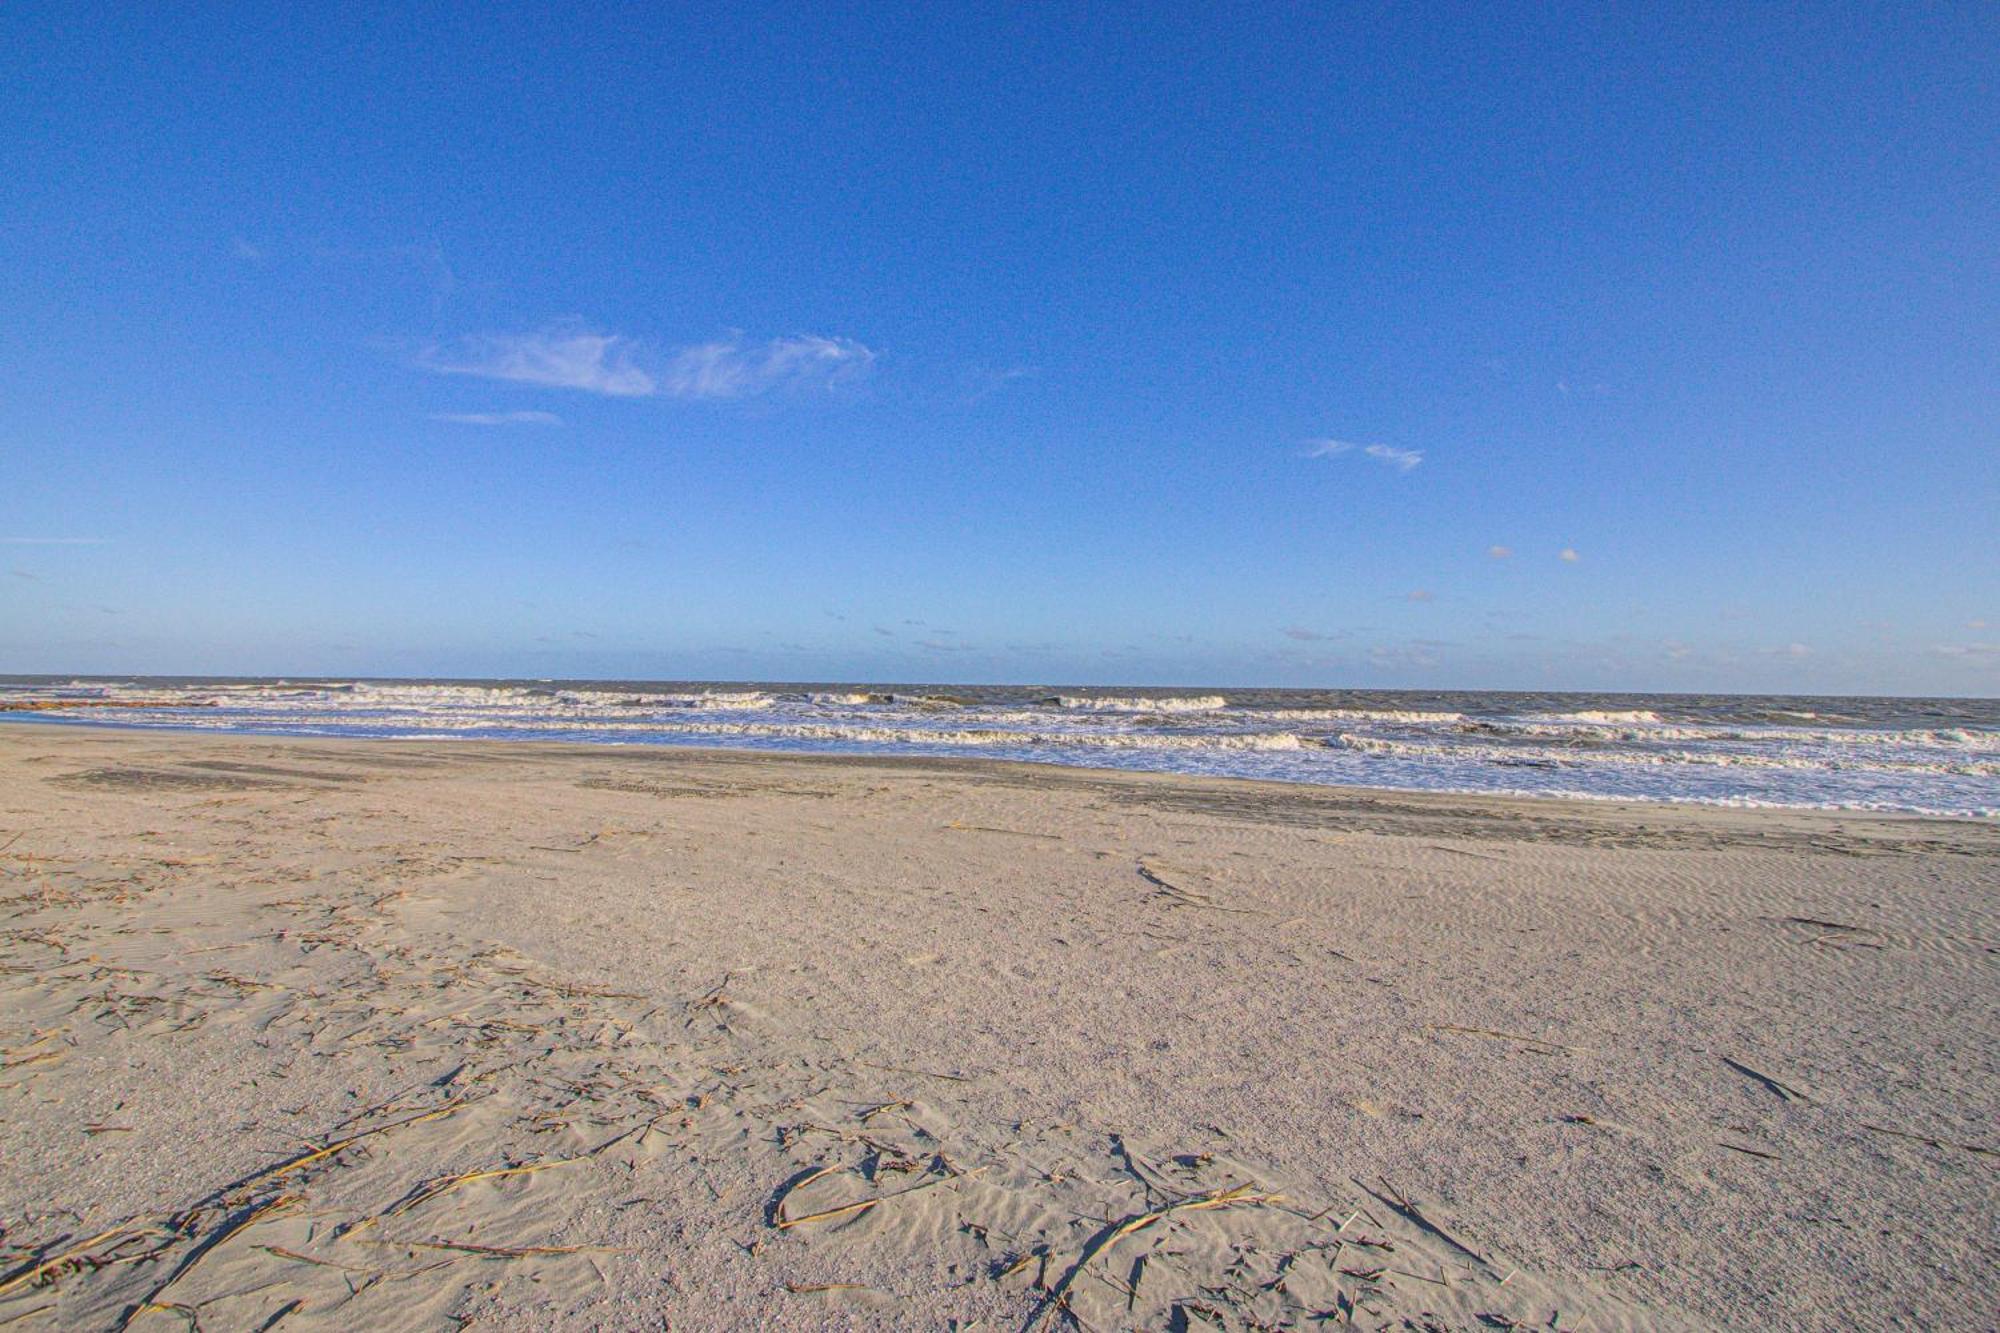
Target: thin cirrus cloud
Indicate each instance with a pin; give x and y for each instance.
(572, 356)
(1403, 460)
(732, 370)
(498, 418)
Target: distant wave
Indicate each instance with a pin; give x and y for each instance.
(1946, 737)
(993, 738)
(1554, 757)
(1411, 715)
(1115, 703)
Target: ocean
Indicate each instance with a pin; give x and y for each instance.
(1930, 756)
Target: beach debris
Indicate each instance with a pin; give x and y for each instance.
(1177, 896)
(51, 1268)
(1538, 1045)
(927, 1073)
(497, 1251)
(988, 828)
(1747, 1152)
(432, 1189)
(248, 1218)
(783, 1222)
(1935, 1143)
(1834, 934)
(1237, 1196)
(1403, 1204)
(1782, 1091)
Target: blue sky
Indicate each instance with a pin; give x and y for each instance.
(1499, 346)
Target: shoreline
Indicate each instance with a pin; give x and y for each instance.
(973, 762)
(585, 1035)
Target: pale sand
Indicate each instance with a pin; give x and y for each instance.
(1011, 1046)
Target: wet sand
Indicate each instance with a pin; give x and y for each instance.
(304, 1033)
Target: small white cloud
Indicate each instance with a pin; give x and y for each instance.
(1789, 650)
(498, 418)
(1420, 595)
(1401, 459)
(53, 541)
(570, 355)
(1569, 554)
(1499, 552)
(563, 356)
(982, 382)
(733, 370)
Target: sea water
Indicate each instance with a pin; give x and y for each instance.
(1933, 756)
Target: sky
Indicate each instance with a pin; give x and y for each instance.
(1525, 346)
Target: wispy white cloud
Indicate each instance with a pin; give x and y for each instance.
(734, 369)
(53, 541)
(1420, 595)
(1500, 552)
(1403, 460)
(498, 418)
(1569, 555)
(564, 356)
(573, 356)
(982, 382)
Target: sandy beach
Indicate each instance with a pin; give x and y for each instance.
(374, 1034)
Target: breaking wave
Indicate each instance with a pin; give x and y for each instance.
(1114, 703)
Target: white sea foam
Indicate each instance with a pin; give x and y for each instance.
(1551, 756)
(1409, 715)
(730, 699)
(984, 738)
(1943, 737)
(1113, 703)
